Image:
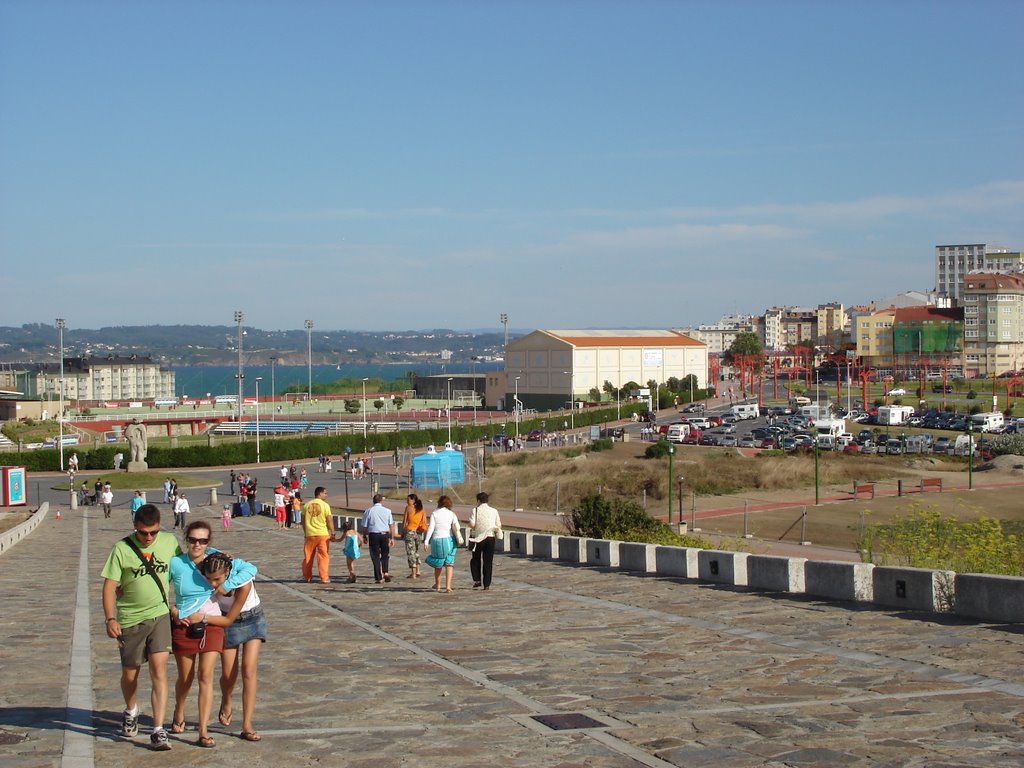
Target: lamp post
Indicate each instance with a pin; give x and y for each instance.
(309, 359)
(60, 408)
(239, 317)
(362, 409)
(817, 476)
(258, 380)
(273, 390)
(515, 404)
(970, 455)
(474, 360)
(449, 409)
(671, 453)
(572, 403)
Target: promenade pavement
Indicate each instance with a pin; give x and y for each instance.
(671, 672)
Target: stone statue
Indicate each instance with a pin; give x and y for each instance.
(137, 446)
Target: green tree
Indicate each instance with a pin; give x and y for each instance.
(352, 405)
(378, 404)
(745, 343)
(595, 395)
(398, 402)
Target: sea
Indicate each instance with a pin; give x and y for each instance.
(213, 380)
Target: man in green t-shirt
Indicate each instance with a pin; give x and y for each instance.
(137, 616)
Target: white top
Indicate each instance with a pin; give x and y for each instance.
(181, 506)
(440, 524)
(226, 601)
(484, 521)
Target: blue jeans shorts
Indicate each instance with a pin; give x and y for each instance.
(250, 625)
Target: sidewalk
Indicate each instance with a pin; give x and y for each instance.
(672, 673)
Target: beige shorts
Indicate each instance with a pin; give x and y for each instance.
(148, 637)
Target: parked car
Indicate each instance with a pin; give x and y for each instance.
(729, 441)
(768, 442)
(615, 433)
(864, 435)
(942, 388)
(896, 392)
(851, 448)
(693, 438)
(893, 447)
(748, 441)
(692, 408)
(789, 443)
(707, 439)
(499, 440)
(535, 435)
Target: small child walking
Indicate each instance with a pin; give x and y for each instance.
(225, 516)
(351, 548)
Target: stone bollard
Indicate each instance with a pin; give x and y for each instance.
(74, 499)
(213, 497)
(682, 528)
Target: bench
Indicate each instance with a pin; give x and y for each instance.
(931, 482)
(859, 488)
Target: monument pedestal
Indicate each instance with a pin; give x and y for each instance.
(138, 466)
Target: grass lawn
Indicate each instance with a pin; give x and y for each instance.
(143, 481)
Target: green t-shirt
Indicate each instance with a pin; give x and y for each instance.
(140, 598)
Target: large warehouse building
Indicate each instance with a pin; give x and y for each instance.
(544, 367)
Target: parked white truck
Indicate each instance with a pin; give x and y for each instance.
(745, 411)
(894, 415)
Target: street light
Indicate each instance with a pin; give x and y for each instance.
(309, 358)
(572, 402)
(239, 317)
(449, 410)
(516, 406)
(970, 454)
(474, 360)
(671, 453)
(363, 409)
(258, 380)
(60, 414)
(273, 389)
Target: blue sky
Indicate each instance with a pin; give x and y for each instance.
(406, 165)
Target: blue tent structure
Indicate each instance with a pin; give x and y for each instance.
(438, 469)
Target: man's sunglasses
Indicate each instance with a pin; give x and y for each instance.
(148, 534)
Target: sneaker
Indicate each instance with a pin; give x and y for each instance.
(158, 741)
(129, 725)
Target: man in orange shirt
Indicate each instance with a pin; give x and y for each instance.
(318, 527)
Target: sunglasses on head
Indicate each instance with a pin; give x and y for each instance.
(197, 540)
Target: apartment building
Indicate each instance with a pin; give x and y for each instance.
(954, 262)
(718, 337)
(909, 339)
(782, 327)
(101, 379)
(872, 335)
(993, 306)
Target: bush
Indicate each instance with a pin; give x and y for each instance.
(603, 444)
(601, 517)
(971, 394)
(925, 539)
(658, 450)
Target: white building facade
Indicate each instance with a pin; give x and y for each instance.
(548, 368)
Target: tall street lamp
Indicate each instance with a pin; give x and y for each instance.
(671, 453)
(258, 380)
(60, 413)
(309, 359)
(239, 317)
(363, 410)
(572, 402)
(273, 390)
(449, 410)
(474, 360)
(516, 406)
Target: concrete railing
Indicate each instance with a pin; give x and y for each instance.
(978, 596)
(13, 535)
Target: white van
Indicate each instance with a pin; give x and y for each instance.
(677, 432)
(698, 422)
(745, 411)
(988, 422)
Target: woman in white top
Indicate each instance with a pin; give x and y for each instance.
(441, 539)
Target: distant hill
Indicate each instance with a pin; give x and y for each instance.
(216, 345)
